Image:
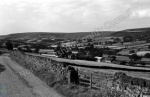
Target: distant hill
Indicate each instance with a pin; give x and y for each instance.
(132, 32)
(49, 35)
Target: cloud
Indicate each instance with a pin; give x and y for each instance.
(142, 13)
(66, 15)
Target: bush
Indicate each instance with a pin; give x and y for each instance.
(147, 55)
(135, 57)
(36, 50)
(0, 52)
(149, 47)
(9, 45)
(131, 63)
(132, 51)
(123, 63)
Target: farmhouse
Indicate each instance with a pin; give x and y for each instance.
(99, 59)
(68, 44)
(54, 46)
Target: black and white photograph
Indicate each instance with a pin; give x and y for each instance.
(75, 48)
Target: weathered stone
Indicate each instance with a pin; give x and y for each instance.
(134, 87)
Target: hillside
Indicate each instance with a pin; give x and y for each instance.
(38, 36)
(145, 32)
(49, 35)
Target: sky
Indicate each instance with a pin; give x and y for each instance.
(17, 16)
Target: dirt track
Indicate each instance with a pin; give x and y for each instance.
(19, 82)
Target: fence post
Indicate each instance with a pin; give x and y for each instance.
(69, 75)
(77, 70)
(91, 81)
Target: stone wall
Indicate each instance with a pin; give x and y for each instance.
(36, 63)
(132, 87)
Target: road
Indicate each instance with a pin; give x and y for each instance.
(15, 81)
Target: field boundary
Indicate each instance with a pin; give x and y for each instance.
(97, 65)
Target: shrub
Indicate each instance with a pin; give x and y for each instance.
(149, 47)
(147, 55)
(0, 52)
(9, 45)
(132, 51)
(123, 63)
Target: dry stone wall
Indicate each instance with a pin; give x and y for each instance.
(132, 87)
(36, 63)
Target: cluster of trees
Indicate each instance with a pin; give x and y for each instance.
(9, 45)
(1, 45)
(149, 47)
(139, 37)
(88, 53)
(148, 40)
(117, 40)
(63, 52)
(112, 52)
(147, 55)
(85, 54)
(131, 51)
(128, 39)
(135, 57)
(28, 49)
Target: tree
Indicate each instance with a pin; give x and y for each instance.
(123, 63)
(117, 40)
(131, 63)
(114, 58)
(149, 47)
(121, 43)
(147, 55)
(128, 39)
(0, 45)
(9, 45)
(76, 47)
(89, 40)
(28, 49)
(79, 40)
(36, 49)
(131, 51)
(92, 46)
(148, 40)
(112, 52)
(63, 52)
(135, 57)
